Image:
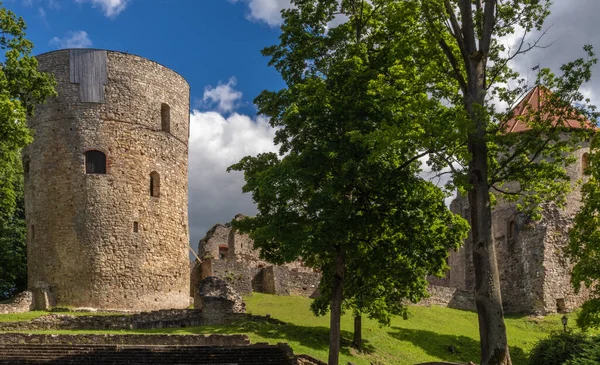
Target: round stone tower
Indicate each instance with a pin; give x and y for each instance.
(106, 184)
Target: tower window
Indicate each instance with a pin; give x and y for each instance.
(585, 161)
(512, 229)
(95, 162)
(32, 232)
(26, 166)
(165, 118)
(136, 227)
(154, 184)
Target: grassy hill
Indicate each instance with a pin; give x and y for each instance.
(429, 334)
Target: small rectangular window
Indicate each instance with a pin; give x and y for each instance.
(32, 231)
(512, 229)
(136, 227)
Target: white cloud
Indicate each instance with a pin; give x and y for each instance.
(268, 11)
(73, 39)
(216, 143)
(110, 8)
(224, 96)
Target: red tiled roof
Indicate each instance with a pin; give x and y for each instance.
(534, 101)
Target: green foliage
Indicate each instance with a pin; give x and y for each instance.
(350, 126)
(589, 354)
(21, 88)
(557, 348)
(13, 250)
(584, 242)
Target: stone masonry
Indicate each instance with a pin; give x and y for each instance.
(106, 184)
(231, 256)
(534, 275)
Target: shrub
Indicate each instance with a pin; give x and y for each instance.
(588, 355)
(558, 348)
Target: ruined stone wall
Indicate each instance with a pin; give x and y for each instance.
(125, 339)
(21, 303)
(534, 276)
(102, 240)
(244, 270)
(241, 246)
(217, 236)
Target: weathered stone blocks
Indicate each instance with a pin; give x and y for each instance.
(106, 240)
(216, 299)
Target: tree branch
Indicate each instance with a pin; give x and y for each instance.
(468, 29)
(457, 72)
(489, 23)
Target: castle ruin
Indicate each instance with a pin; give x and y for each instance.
(231, 256)
(534, 275)
(106, 184)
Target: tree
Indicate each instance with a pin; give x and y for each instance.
(21, 88)
(13, 250)
(468, 36)
(584, 243)
(344, 194)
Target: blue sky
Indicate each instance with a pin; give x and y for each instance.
(207, 41)
(215, 45)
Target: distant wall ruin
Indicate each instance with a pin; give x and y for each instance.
(231, 256)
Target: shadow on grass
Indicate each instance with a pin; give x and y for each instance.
(316, 337)
(449, 347)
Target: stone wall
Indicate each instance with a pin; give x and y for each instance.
(22, 302)
(101, 240)
(244, 270)
(238, 274)
(166, 318)
(125, 339)
(534, 275)
(449, 297)
(245, 278)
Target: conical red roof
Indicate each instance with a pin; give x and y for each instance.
(534, 101)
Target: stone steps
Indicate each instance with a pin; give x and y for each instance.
(30, 354)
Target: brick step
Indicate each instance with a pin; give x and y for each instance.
(124, 354)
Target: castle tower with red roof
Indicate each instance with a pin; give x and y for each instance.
(534, 276)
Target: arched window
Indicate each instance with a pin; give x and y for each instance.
(165, 118)
(585, 161)
(95, 162)
(154, 184)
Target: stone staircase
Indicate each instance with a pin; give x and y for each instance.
(59, 354)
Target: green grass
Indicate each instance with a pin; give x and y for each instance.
(429, 334)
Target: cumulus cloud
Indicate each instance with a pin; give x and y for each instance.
(73, 39)
(110, 8)
(224, 96)
(268, 11)
(216, 142)
(568, 28)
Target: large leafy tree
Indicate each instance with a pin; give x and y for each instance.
(584, 243)
(352, 123)
(21, 88)
(13, 249)
(469, 37)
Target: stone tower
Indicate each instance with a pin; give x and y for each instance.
(106, 184)
(534, 275)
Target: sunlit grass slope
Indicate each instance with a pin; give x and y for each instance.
(429, 334)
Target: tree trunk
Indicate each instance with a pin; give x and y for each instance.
(357, 341)
(488, 300)
(336, 308)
